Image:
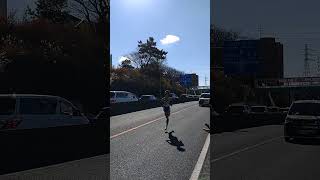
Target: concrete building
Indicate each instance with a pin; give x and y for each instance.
(3, 9)
(262, 58)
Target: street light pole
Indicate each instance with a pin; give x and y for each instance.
(160, 74)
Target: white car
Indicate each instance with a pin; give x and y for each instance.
(122, 96)
(37, 111)
(204, 99)
(303, 120)
(147, 98)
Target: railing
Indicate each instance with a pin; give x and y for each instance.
(288, 82)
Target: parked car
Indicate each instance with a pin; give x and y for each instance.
(285, 110)
(204, 99)
(233, 117)
(303, 120)
(259, 115)
(37, 111)
(259, 109)
(237, 110)
(183, 98)
(147, 98)
(273, 109)
(174, 98)
(122, 96)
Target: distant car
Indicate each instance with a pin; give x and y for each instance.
(174, 98)
(273, 109)
(235, 116)
(204, 99)
(122, 96)
(183, 97)
(284, 110)
(237, 110)
(22, 111)
(303, 120)
(147, 98)
(259, 109)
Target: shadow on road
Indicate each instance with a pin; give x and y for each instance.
(173, 140)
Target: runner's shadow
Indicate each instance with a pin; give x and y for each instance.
(173, 140)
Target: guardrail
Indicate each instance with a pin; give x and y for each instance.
(123, 108)
(222, 123)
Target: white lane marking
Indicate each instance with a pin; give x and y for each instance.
(246, 149)
(126, 131)
(202, 157)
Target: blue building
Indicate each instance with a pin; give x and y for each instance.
(254, 58)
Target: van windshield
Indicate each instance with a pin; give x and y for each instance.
(7, 105)
(38, 106)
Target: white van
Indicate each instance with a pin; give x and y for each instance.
(122, 96)
(37, 111)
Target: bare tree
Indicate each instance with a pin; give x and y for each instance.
(96, 12)
(135, 59)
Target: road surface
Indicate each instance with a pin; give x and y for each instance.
(140, 148)
(261, 153)
(94, 168)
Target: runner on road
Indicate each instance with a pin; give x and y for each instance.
(166, 106)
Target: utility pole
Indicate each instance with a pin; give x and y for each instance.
(260, 30)
(318, 66)
(160, 76)
(306, 61)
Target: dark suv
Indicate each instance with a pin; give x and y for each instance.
(303, 120)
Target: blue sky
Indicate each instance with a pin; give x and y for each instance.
(188, 23)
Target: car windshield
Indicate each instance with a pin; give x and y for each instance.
(236, 109)
(305, 109)
(38, 106)
(258, 109)
(7, 105)
(205, 96)
(112, 94)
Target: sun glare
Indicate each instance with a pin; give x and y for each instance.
(137, 3)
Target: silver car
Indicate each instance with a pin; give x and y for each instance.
(23, 111)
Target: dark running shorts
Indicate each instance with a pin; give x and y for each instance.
(166, 109)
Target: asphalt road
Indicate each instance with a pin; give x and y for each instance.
(140, 148)
(261, 153)
(93, 168)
